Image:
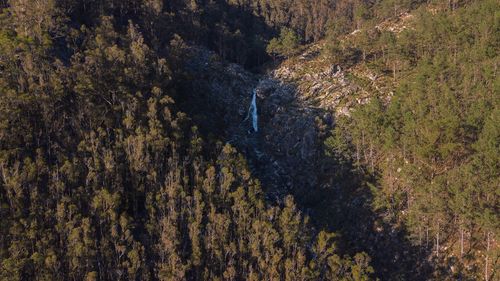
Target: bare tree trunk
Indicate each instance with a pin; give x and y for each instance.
(404, 152)
(394, 70)
(486, 276)
(363, 145)
(427, 237)
(407, 199)
(461, 241)
(420, 236)
(357, 152)
(371, 155)
(437, 241)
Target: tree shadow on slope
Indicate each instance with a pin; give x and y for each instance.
(345, 206)
(290, 158)
(287, 155)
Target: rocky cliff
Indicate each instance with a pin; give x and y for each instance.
(298, 103)
(295, 111)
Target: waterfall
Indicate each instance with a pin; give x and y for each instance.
(253, 110)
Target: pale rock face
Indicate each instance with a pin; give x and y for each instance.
(324, 88)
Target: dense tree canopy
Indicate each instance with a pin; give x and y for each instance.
(104, 178)
(434, 146)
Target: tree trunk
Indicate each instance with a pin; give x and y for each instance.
(420, 236)
(357, 152)
(461, 242)
(486, 276)
(394, 70)
(371, 155)
(427, 237)
(363, 145)
(437, 241)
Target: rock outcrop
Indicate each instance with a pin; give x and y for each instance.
(297, 105)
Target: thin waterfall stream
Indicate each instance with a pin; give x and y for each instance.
(253, 111)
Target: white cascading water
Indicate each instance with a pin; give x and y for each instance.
(253, 110)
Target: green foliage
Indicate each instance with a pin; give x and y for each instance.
(433, 147)
(287, 44)
(104, 178)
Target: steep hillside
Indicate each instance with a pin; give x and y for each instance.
(416, 118)
(116, 160)
(249, 140)
(296, 112)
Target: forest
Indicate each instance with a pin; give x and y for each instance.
(124, 152)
